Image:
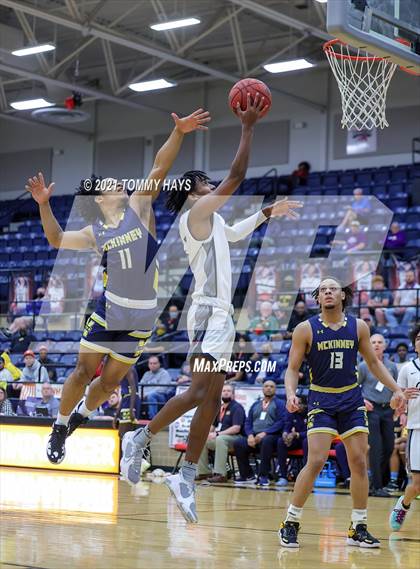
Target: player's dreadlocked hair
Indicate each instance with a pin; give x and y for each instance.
(414, 333)
(178, 196)
(348, 291)
(88, 208)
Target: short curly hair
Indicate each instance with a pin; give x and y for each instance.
(414, 332)
(89, 209)
(178, 196)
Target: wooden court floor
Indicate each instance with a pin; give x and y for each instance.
(63, 520)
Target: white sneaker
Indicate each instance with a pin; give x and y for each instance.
(184, 494)
(132, 463)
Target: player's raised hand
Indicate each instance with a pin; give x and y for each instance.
(39, 191)
(254, 110)
(285, 208)
(195, 121)
(292, 404)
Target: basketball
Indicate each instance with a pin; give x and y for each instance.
(239, 92)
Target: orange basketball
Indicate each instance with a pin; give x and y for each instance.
(239, 92)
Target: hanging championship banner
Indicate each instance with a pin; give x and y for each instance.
(361, 141)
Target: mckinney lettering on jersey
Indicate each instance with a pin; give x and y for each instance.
(335, 344)
(119, 240)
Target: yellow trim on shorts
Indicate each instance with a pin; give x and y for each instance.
(123, 359)
(95, 347)
(353, 431)
(315, 412)
(98, 319)
(322, 430)
(141, 335)
(333, 389)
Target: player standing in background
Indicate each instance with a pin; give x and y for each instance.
(210, 325)
(409, 381)
(122, 230)
(330, 341)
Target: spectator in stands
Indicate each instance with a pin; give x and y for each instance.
(379, 299)
(309, 280)
(8, 364)
(263, 426)
(294, 437)
(398, 458)
(23, 337)
(226, 429)
(369, 321)
(400, 357)
(356, 241)
(5, 405)
(241, 355)
(157, 388)
(13, 389)
(172, 319)
(359, 210)
(38, 302)
(33, 370)
(185, 375)
(5, 375)
(47, 363)
(112, 406)
(299, 314)
(396, 238)
(48, 401)
(299, 177)
(264, 366)
(262, 326)
(380, 417)
(405, 302)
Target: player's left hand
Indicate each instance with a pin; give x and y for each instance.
(411, 393)
(195, 121)
(284, 208)
(398, 401)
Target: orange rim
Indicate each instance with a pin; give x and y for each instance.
(328, 47)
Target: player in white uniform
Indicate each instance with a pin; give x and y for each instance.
(409, 380)
(210, 325)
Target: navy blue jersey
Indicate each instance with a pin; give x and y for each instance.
(129, 257)
(332, 358)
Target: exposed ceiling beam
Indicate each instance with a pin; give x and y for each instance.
(110, 65)
(103, 32)
(275, 16)
(73, 9)
(162, 17)
(85, 90)
(3, 98)
(30, 36)
(182, 49)
(238, 45)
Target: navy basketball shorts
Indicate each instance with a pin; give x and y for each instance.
(121, 345)
(324, 416)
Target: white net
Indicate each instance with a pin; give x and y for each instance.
(363, 81)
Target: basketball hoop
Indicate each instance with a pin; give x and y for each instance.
(363, 81)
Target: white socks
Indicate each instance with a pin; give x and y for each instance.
(83, 410)
(62, 419)
(294, 514)
(358, 517)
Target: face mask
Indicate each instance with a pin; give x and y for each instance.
(226, 399)
(173, 315)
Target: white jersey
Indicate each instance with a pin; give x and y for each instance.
(210, 263)
(409, 376)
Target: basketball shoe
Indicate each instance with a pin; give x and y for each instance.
(76, 419)
(133, 454)
(397, 517)
(288, 534)
(184, 494)
(360, 537)
(56, 447)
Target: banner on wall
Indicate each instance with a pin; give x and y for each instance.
(361, 141)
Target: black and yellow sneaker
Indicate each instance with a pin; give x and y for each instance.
(360, 537)
(288, 534)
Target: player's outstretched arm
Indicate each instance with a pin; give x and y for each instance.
(300, 340)
(281, 208)
(376, 367)
(83, 239)
(167, 154)
(210, 203)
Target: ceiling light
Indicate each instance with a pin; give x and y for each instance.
(151, 85)
(283, 66)
(175, 24)
(34, 49)
(31, 104)
(322, 1)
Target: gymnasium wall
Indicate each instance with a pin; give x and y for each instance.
(127, 138)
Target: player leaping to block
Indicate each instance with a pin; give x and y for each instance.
(409, 380)
(330, 342)
(122, 230)
(210, 325)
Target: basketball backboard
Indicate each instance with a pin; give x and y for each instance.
(386, 28)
